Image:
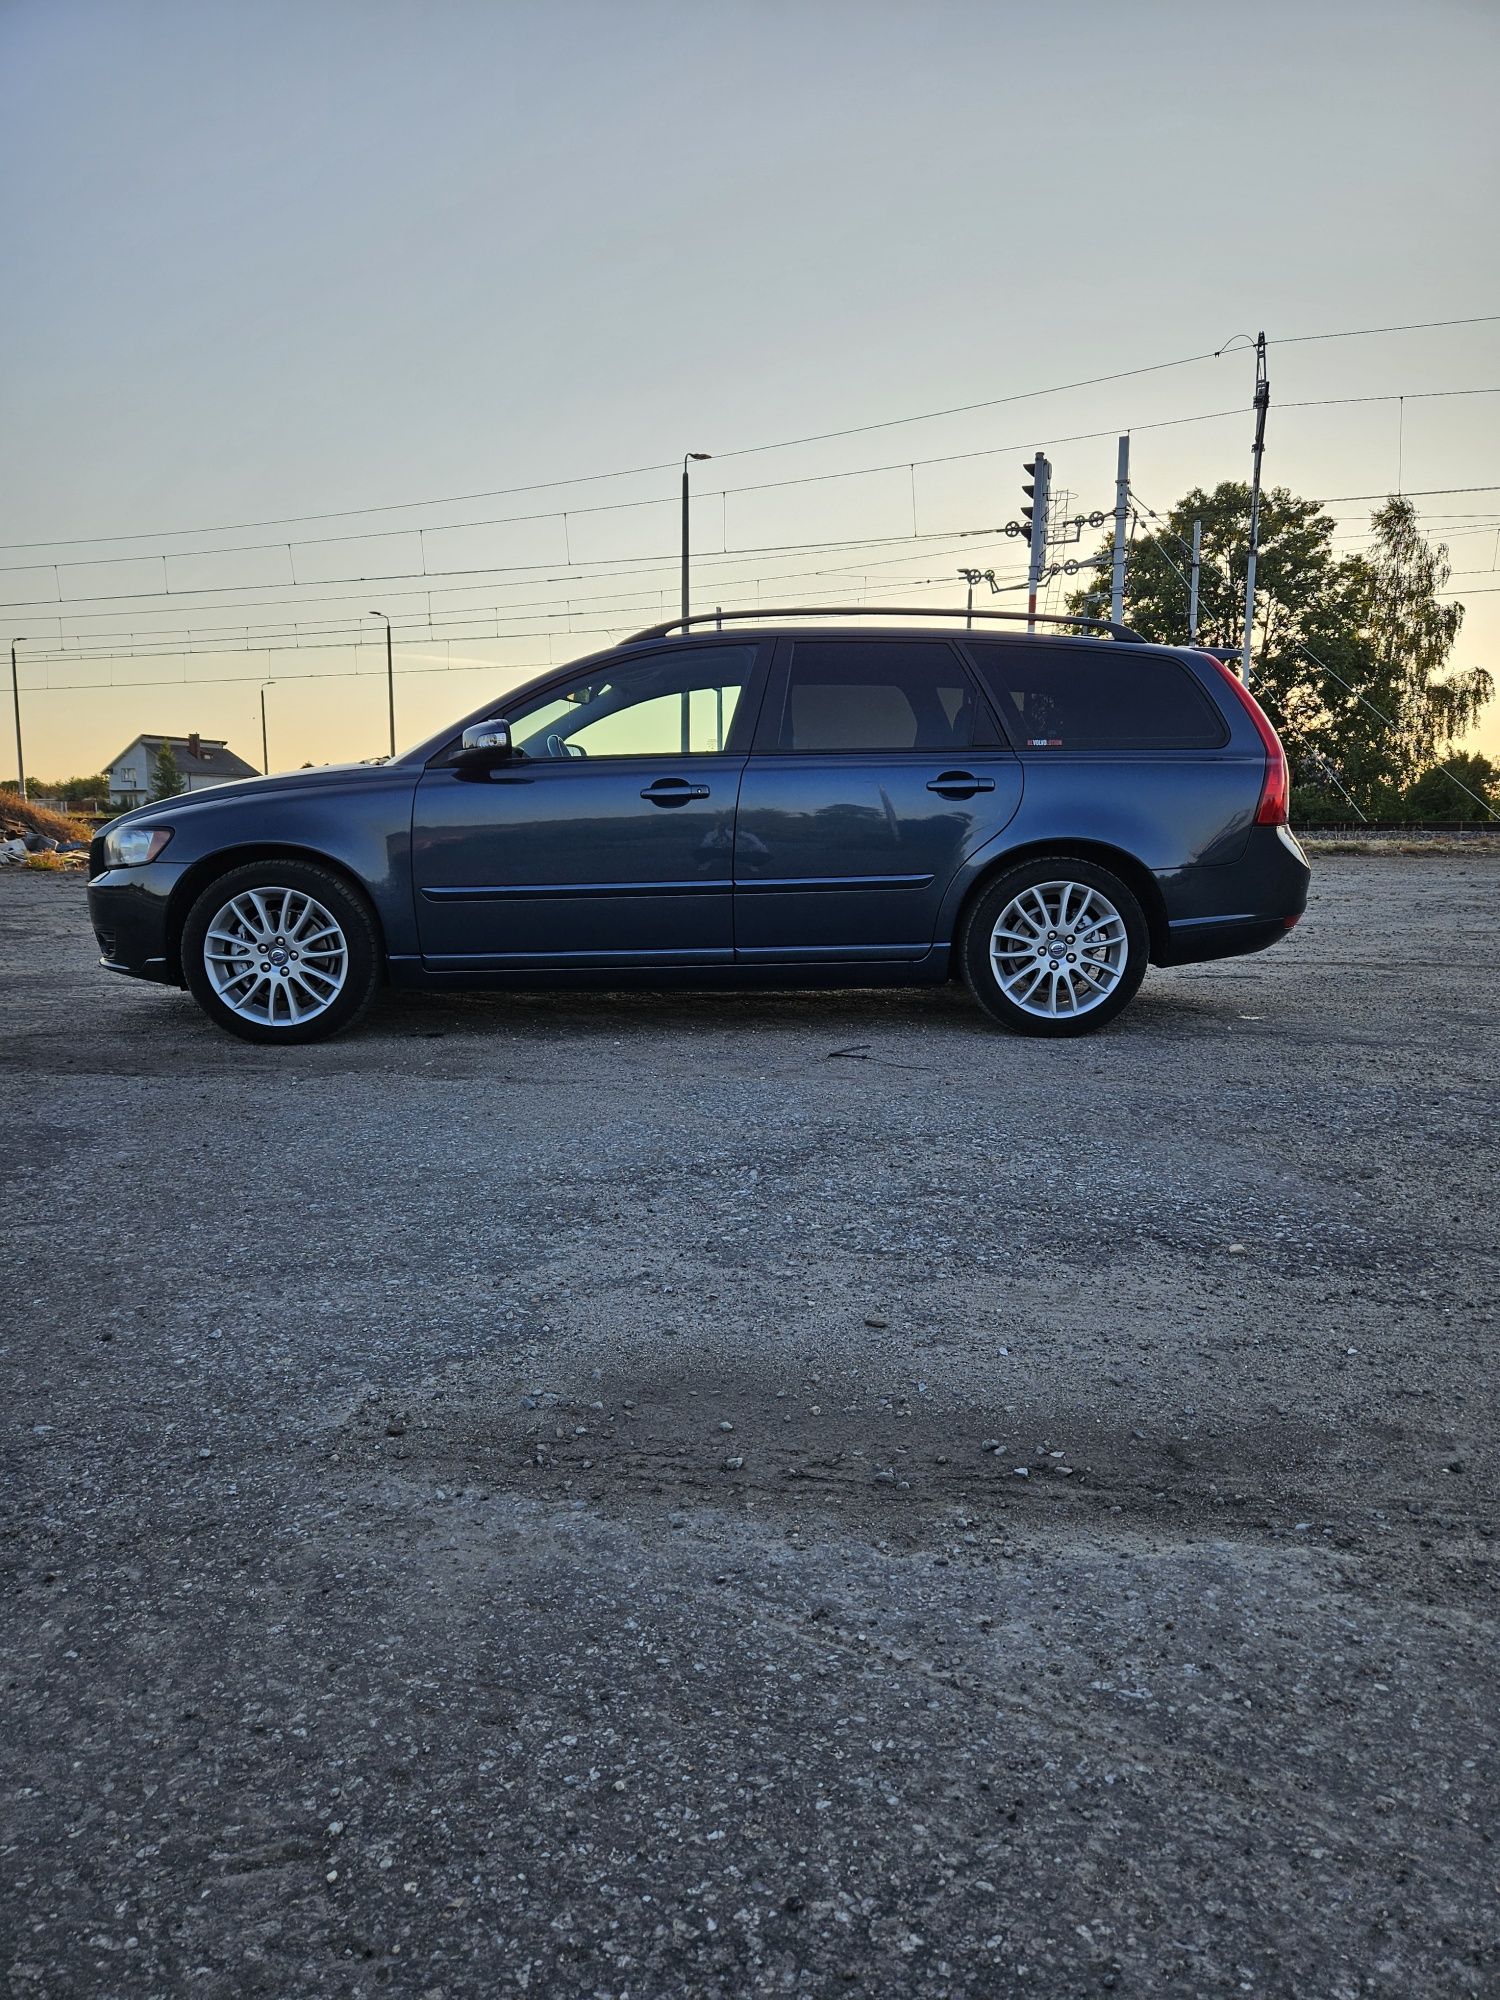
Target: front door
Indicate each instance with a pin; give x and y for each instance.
(607, 839)
(877, 769)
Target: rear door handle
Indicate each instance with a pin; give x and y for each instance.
(673, 792)
(960, 785)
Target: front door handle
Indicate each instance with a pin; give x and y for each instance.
(960, 785)
(673, 792)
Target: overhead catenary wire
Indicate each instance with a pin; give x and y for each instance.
(237, 639)
(1411, 493)
(745, 451)
(536, 486)
(606, 507)
(723, 494)
(238, 629)
(482, 569)
(1365, 332)
(493, 569)
(478, 666)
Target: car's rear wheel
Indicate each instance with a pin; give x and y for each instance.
(281, 951)
(1055, 946)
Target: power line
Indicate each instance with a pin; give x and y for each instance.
(441, 639)
(240, 631)
(1363, 332)
(743, 451)
(305, 639)
(44, 604)
(240, 637)
(1391, 396)
(1411, 493)
(725, 494)
(116, 597)
(332, 674)
(608, 507)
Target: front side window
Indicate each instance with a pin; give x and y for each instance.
(678, 704)
(1096, 697)
(884, 694)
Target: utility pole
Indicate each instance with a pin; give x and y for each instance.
(685, 505)
(1193, 583)
(15, 695)
(265, 755)
(1122, 508)
(1034, 517)
(1262, 404)
(390, 678)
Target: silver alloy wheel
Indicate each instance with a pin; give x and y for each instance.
(276, 956)
(1058, 949)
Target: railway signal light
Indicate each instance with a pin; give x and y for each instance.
(1038, 480)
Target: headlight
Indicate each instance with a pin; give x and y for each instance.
(132, 846)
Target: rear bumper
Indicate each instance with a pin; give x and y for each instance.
(128, 910)
(1260, 897)
(1226, 940)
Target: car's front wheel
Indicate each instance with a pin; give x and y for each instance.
(281, 951)
(1056, 946)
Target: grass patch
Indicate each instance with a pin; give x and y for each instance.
(1437, 846)
(57, 864)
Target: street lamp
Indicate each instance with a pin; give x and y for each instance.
(265, 755)
(390, 677)
(15, 695)
(689, 455)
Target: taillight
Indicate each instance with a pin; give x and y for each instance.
(1276, 785)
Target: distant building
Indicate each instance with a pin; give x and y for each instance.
(202, 761)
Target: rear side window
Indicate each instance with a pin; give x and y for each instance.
(876, 695)
(1097, 697)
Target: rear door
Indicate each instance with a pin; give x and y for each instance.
(1122, 743)
(876, 770)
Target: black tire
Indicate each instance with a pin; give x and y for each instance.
(353, 918)
(1124, 961)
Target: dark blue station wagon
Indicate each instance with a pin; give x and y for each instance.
(759, 803)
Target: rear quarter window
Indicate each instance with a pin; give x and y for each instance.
(1097, 697)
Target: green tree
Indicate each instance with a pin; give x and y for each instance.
(1409, 633)
(1350, 653)
(73, 791)
(1294, 570)
(166, 778)
(1435, 795)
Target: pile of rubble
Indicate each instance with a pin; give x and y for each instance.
(21, 848)
(31, 833)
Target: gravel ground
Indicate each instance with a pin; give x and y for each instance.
(604, 1496)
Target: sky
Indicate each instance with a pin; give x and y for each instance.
(269, 261)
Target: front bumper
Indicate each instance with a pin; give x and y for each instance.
(128, 908)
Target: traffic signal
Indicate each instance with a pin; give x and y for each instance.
(1038, 479)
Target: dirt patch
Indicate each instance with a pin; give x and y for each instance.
(903, 1471)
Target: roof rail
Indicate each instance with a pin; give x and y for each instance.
(1121, 633)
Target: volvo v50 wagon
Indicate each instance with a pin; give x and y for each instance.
(808, 803)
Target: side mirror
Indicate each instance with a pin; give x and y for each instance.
(485, 744)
